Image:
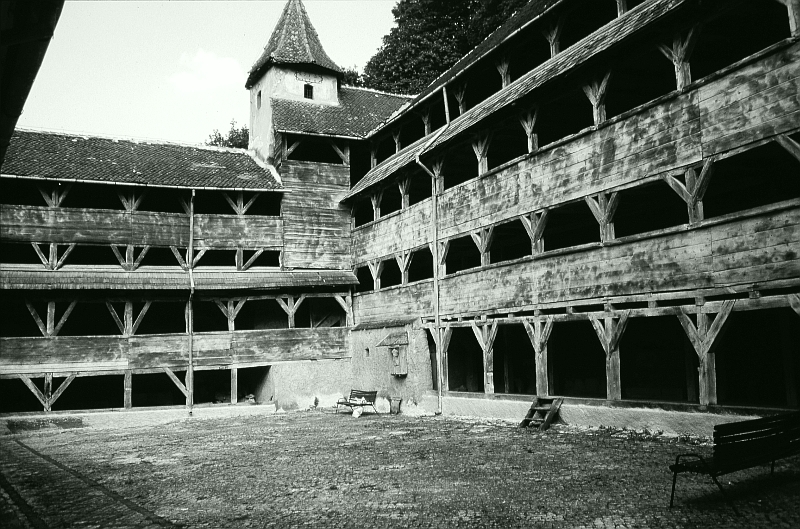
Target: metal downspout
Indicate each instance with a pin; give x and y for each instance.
(435, 251)
(190, 326)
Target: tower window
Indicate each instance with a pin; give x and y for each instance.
(308, 91)
(258, 99)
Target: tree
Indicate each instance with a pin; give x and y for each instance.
(351, 77)
(429, 37)
(237, 138)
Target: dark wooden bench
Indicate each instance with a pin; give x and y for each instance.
(354, 400)
(741, 445)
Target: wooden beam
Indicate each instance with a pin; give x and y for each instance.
(596, 92)
(483, 240)
(528, 122)
(538, 334)
(603, 206)
(486, 333)
(343, 154)
(480, 145)
(252, 259)
(63, 318)
(702, 337)
(376, 268)
(396, 136)
(36, 318)
(789, 144)
(347, 305)
(36, 393)
(115, 317)
(622, 7)
(426, 121)
(794, 302)
(45, 261)
(460, 94)
(404, 263)
(290, 149)
(234, 385)
(502, 66)
(553, 36)
(60, 391)
(610, 335)
(177, 382)
(680, 54)
(135, 325)
(375, 198)
(179, 257)
(128, 389)
(404, 184)
(793, 8)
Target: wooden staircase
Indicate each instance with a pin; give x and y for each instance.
(542, 412)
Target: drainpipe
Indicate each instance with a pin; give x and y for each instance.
(435, 222)
(446, 105)
(189, 259)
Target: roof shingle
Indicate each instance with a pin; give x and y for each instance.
(359, 111)
(74, 157)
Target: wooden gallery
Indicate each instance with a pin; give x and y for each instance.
(600, 202)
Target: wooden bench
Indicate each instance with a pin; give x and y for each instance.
(355, 400)
(741, 445)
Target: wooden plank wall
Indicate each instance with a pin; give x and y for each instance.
(68, 225)
(406, 229)
(395, 303)
(749, 104)
(316, 225)
(64, 354)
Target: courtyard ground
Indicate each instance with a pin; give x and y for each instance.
(319, 469)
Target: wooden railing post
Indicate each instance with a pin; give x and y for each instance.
(610, 335)
(539, 333)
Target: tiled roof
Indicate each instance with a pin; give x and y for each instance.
(359, 111)
(294, 41)
(73, 157)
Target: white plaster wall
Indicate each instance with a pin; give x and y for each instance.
(261, 136)
(295, 385)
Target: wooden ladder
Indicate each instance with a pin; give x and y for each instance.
(542, 412)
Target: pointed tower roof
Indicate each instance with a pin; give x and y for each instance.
(294, 41)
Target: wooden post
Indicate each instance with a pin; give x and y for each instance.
(404, 263)
(603, 208)
(376, 269)
(460, 94)
(793, 7)
(290, 306)
(486, 333)
(691, 375)
(622, 7)
(404, 184)
(234, 385)
(703, 336)
(679, 54)
(785, 141)
(375, 198)
(528, 122)
(443, 249)
(442, 342)
(481, 147)
(502, 66)
(596, 92)
(426, 121)
(483, 240)
(373, 155)
(396, 137)
(128, 389)
(553, 36)
(692, 193)
(610, 336)
(48, 390)
(538, 335)
(535, 224)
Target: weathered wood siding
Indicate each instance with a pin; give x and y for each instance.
(405, 230)
(316, 225)
(93, 226)
(394, 304)
(65, 354)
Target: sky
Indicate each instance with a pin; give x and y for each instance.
(176, 70)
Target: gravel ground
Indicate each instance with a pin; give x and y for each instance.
(318, 469)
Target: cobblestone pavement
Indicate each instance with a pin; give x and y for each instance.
(318, 469)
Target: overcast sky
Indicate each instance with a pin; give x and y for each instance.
(176, 70)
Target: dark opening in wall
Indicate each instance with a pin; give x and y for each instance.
(419, 189)
(22, 253)
(308, 91)
(391, 275)
(566, 114)
(212, 386)
(314, 149)
(510, 241)
(391, 200)
(385, 148)
(514, 361)
(648, 207)
(757, 177)
(96, 196)
(734, 35)
(359, 161)
(91, 255)
(365, 281)
(90, 319)
(157, 389)
(17, 398)
(326, 312)
(261, 314)
(577, 361)
(217, 258)
(23, 192)
(434, 361)
(586, 19)
(208, 317)
(302, 315)
(362, 212)
(462, 255)
(413, 130)
(438, 116)
(756, 359)
(91, 393)
(156, 256)
(164, 318)
(460, 165)
(529, 51)
(165, 200)
(213, 203)
(484, 81)
(508, 143)
(265, 205)
(637, 78)
(570, 225)
(657, 361)
(421, 266)
(464, 362)
(16, 321)
(268, 258)
(251, 380)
